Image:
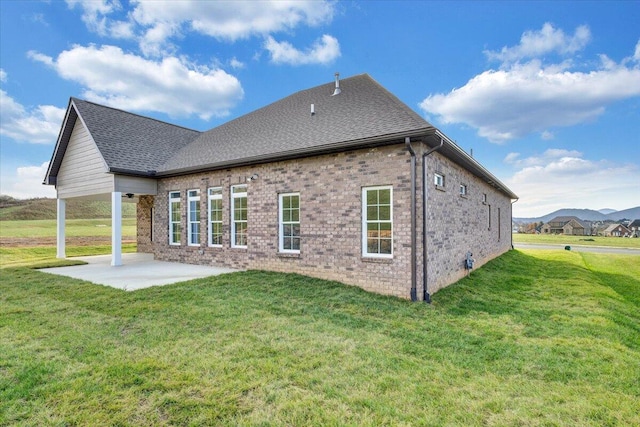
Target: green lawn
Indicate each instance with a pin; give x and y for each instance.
(73, 228)
(621, 242)
(45, 256)
(534, 338)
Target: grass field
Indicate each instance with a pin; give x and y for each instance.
(73, 228)
(45, 256)
(534, 338)
(621, 242)
(42, 208)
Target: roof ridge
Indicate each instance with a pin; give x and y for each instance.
(405, 107)
(73, 98)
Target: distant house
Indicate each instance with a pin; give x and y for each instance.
(568, 225)
(634, 228)
(341, 181)
(616, 230)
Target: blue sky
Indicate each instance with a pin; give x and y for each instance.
(547, 94)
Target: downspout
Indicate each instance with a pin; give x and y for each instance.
(414, 292)
(512, 203)
(426, 297)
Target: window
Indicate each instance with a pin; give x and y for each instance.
(499, 227)
(175, 216)
(377, 223)
(484, 198)
(463, 190)
(239, 216)
(215, 216)
(438, 180)
(193, 197)
(489, 217)
(289, 219)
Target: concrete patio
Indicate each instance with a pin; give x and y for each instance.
(137, 271)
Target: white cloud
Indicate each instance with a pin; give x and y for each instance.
(171, 85)
(47, 60)
(534, 44)
(154, 41)
(532, 97)
(546, 135)
(26, 182)
(234, 20)
(235, 63)
(38, 125)
(39, 18)
(323, 51)
(95, 13)
(122, 30)
(561, 179)
(549, 156)
(155, 23)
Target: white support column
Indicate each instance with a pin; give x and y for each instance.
(60, 236)
(116, 228)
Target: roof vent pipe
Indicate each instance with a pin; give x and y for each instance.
(337, 90)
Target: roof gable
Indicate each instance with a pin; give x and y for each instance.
(129, 143)
(566, 219)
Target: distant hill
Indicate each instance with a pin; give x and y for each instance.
(606, 211)
(632, 213)
(42, 208)
(586, 214)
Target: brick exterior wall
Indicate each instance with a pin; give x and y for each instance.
(459, 224)
(330, 188)
(144, 233)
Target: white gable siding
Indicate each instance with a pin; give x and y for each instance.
(83, 171)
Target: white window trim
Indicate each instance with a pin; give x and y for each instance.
(171, 223)
(464, 191)
(365, 253)
(235, 196)
(190, 199)
(217, 196)
(438, 182)
(281, 224)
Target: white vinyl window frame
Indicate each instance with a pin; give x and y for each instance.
(239, 211)
(289, 223)
(377, 222)
(214, 215)
(193, 217)
(175, 218)
(438, 180)
(463, 190)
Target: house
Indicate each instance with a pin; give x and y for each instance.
(634, 228)
(569, 225)
(341, 181)
(616, 230)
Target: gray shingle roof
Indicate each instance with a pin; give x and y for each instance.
(566, 219)
(129, 142)
(364, 112)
